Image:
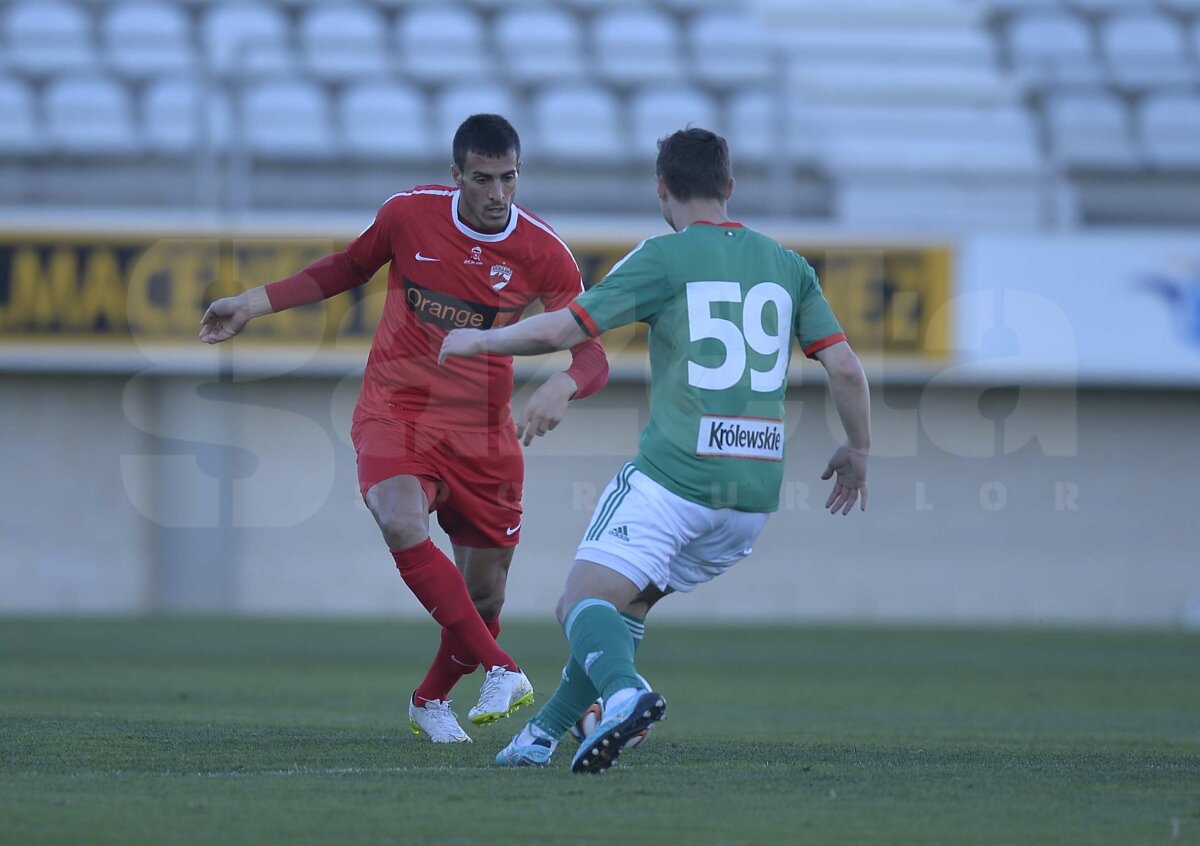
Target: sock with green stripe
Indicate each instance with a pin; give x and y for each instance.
(601, 644)
(575, 692)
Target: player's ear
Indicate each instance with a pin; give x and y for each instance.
(662, 189)
(729, 189)
(456, 175)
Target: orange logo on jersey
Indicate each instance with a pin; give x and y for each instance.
(445, 311)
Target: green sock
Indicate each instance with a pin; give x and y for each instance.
(601, 643)
(575, 692)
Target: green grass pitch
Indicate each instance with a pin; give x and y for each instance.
(287, 732)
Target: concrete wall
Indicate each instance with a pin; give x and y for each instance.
(180, 494)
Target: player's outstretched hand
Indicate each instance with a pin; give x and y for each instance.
(850, 465)
(225, 318)
(463, 342)
(546, 408)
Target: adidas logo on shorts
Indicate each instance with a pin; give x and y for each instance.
(620, 533)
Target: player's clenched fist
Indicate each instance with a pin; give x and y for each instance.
(462, 342)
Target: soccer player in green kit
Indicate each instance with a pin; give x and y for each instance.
(723, 303)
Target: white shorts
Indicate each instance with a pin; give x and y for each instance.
(653, 536)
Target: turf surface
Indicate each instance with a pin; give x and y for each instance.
(264, 732)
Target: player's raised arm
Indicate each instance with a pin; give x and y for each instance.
(542, 333)
(848, 386)
(322, 279)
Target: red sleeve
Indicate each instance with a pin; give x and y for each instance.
(589, 367)
(373, 248)
(342, 271)
(565, 282)
(319, 281)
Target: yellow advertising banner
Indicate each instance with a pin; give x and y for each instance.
(70, 289)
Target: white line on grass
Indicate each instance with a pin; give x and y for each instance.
(328, 771)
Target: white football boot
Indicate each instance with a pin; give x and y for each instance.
(503, 692)
(437, 721)
(530, 747)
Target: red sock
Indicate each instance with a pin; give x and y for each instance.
(436, 582)
(452, 662)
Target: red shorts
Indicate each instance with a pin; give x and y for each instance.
(473, 480)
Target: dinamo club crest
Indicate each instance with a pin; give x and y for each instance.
(500, 276)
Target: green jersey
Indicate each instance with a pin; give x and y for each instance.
(722, 303)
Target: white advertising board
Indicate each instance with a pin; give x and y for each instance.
(1096, 308)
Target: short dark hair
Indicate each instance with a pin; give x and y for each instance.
(486, 135)
(694, 163)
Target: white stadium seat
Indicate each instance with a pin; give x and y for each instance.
(147, 39)
(1022, 5)
(500, 5)
(1053, 47)
(930, 139)
(1146, 49)
(966, 202)
(179, 117)
(1090, 130)
(597, 5)
(958, 44)
(1170, 126)
(456, 103)
(246, 38)
(1108, 6)
(755, 121)
(578, 123)
(286, 120)
(90, 115)
(854, 13)
(691, 7)
(658, 111)
(541, 44)
(880, 81)
(384, 120)
(444, 43)
(341, 42)
(47, 37)
(636, 46)
(729, 49)
(18, 130)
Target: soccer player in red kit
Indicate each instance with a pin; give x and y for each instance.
(443, 439)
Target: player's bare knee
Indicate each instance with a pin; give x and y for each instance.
(402, 530)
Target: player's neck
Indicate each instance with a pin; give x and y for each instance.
(696, 211)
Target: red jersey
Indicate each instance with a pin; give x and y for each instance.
(445, 275)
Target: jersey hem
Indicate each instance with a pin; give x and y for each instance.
(644, 466)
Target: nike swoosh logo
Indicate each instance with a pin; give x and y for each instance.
(425, 258)
(514, 529)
